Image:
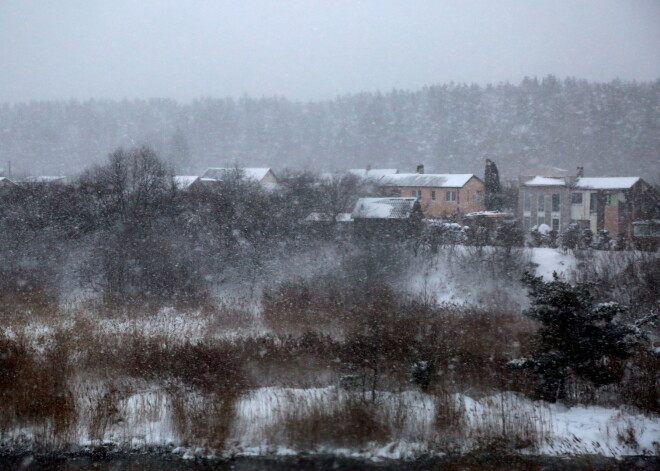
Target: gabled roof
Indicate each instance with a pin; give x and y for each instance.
(545, 181)
(606, 183)
(183, 182)
(6, 181)
(384, 208)
(432, 180)
(253, 173)
(373, 173)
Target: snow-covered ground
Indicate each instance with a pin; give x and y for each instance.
(143, 419)
(549, 261)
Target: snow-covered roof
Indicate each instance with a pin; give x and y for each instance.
(183, 182)
(373, 173)
(432, 180)
(606, 183)
(45, 179)
(545, 181)
(546, 171)
(6, 180)
(256, 174)
(384, 208)
(488, 214)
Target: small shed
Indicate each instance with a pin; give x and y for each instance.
(398, 217)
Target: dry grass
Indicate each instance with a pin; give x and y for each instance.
(203, 419)
(499, 423)
(34, 389)
(338, 422)
(450, 422)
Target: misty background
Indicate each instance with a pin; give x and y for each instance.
(330, 85)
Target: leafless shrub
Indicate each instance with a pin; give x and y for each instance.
(629, 278)
(30, 290)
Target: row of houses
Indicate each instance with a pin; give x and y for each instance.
(546, 196)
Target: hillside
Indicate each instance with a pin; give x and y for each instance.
(609, 128)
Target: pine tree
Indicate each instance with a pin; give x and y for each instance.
(492, 187)
(577, 336)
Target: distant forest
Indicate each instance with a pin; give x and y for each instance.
(609, 128)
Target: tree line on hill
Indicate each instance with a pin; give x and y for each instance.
(610, 128)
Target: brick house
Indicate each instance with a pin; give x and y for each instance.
(612, 203)
(439, 195)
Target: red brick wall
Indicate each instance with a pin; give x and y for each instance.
(469, 199)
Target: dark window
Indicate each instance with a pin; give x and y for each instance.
(527, 198)
(541, 204)
(555, 224)
(576, 198)
(593, 203)
(556, 202)
(417, 194)
(433, 195)
(450, 195)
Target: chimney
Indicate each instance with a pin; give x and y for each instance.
(420, 169)
(580, 172)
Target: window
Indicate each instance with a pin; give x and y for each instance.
(541, 204)
(417, 194)
(556, 202)
(612, 199)
(576, 198)
(479, 196)
(527, 223)
(527, 199)
(593, 203)
(555, 224)
(432, 195)
(450, 195)
(540, 220)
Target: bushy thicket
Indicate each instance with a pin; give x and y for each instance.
(125, 231)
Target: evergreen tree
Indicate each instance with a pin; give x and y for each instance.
(492, 187)
(570, 238)
(577, 336)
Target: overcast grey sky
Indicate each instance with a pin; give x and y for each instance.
(306, 49)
